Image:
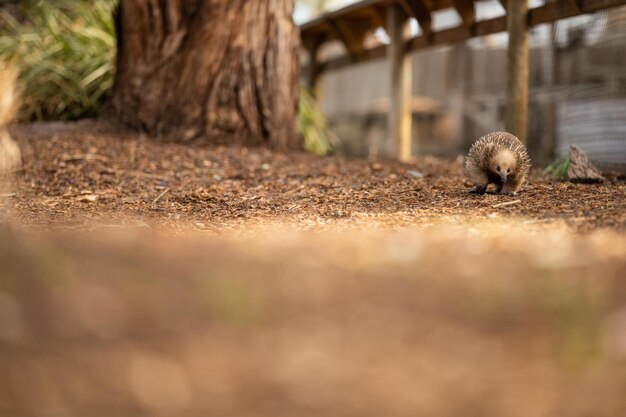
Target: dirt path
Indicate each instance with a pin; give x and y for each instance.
(75, 173)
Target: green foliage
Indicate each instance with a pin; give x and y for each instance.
(65, 51)
(557, 169)
(312, 125)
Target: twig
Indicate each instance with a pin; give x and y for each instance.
(160, 195)
(8, 195)
(144, 175)
(87, 157)
(132, 152)
(506, 203)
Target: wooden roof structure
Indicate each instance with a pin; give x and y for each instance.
(352, 23)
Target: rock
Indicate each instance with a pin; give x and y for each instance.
(415, 174)
(376, 166)
(581, 169)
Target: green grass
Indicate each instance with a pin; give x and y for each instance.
(557, 169)
(312, 125)
(65, 51)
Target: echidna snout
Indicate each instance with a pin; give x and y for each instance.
(502, 163)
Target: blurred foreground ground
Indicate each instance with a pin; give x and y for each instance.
(419, 322)
(264, 284)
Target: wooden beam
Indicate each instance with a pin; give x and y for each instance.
(417, 9)
(516, 117)
(458, 34)
(379, 52)
(564, 9)
(400, 111)
(378, 16)
(465, 9)
(351, 38)
(432, 5)
(421, 42)
(358, 27)
(543, 14)
(439, 4)
(578, 4)
(583, 6)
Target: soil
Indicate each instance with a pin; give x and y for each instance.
(92, 173)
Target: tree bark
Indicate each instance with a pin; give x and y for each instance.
(224, 71)
(580, 167)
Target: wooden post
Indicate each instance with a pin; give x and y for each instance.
(460, 76)
(549, 70)
(517, 69)
(312, 73)
(400, 110)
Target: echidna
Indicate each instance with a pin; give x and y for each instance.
(497, 158)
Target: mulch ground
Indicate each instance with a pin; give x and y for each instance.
(406, 296)
(91, 172)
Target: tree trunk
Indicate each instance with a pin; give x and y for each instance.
(224, 71)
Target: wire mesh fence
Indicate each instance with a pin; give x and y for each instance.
(577, 92)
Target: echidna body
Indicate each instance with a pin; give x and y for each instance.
(498, 158)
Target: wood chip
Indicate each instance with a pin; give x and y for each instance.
(167, 190)
(88, 198)
(86, 157)
(375, 166)
(506, 203)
